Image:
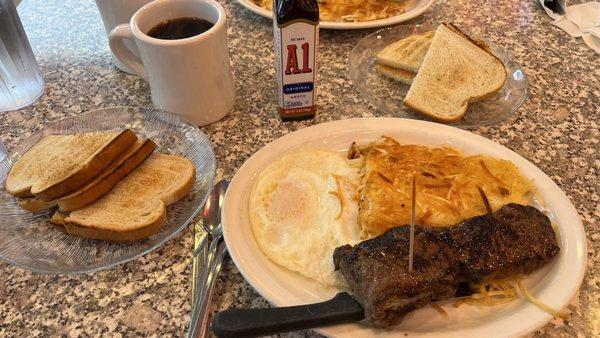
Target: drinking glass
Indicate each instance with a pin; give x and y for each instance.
(3, 152)
(21, 81)
(3, 155)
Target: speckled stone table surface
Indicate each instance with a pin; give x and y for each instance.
(557, 129)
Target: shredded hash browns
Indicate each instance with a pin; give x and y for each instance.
(352, 10)
(446, 181)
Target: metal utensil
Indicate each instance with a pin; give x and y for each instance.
(213, 260)
(211, 217)
(204, 311)
(200, 259)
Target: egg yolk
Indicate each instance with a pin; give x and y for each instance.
(290, 202)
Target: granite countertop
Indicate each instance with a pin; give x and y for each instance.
(557, 129)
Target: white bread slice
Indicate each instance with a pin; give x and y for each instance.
(396, 74)
(455, 71)
(100, 185)
(136, 207)
(406, 54)
(112, 175)
(60, 164)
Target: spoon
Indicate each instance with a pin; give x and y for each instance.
(212, 258)
(210, 219)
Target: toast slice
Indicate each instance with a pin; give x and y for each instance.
(100, 185)
(136, 207)
(406, 54)
(112, 175)
(34, 204)
(455, 71)
(60, 164)
(396, 74)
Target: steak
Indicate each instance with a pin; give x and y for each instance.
(514, 240)
(377, 271)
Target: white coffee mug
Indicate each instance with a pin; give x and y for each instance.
(190, 77)
(117, 12)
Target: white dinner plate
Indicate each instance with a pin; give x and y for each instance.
(415, 8)
(555, 284)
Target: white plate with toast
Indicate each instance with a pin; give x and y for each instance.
(388, 94)
(142, 199)
(414, 9)
(555, 284)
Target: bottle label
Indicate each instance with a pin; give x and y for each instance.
(295, 47)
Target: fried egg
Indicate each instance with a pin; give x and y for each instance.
(303, 206)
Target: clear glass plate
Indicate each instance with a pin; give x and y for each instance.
(28, 240)
(387, 95)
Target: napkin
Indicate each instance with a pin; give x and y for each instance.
(585, 15)
(593, 39)
(582, 20)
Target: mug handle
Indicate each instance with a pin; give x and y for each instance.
(116, 41)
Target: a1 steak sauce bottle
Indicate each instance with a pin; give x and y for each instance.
(296, 31)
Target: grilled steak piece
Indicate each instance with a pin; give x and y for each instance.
(516, 239)
(377, 271)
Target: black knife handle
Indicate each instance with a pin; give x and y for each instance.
(259, 322)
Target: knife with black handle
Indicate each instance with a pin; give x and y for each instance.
(266, 321)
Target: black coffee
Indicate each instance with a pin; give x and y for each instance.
(180, 28)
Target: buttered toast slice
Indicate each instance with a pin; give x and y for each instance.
(60, 164)
(406, 54)
(136, 207)
(100, 185)
(455, 71)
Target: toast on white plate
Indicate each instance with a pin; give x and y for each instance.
(455, 71)
(110, 176)
(60, 164)
(136, 207)
(406, 54)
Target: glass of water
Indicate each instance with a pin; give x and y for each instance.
(3, 166)
(3, 152)
(21, 81)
